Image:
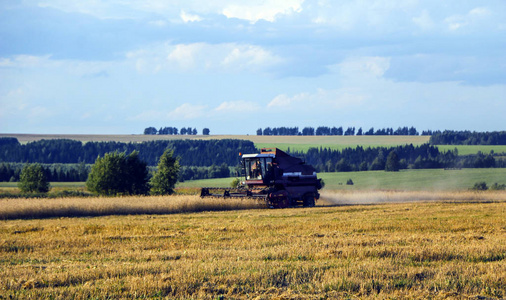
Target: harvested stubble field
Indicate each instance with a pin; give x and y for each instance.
(268, 141)
(431, 249)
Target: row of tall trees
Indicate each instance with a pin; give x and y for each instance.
(53, 172)
(450, 137)
(323, 130)
(175, 131)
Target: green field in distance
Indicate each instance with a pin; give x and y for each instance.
(427, 179)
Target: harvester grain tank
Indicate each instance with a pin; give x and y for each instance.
(276, 177)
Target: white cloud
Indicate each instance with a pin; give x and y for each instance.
(364, 66)
(248, 56)
(188, 11)
(188, 111)
(254, 11)
(186, 55)
(226, 57)
(287, 102)
(186, 17)
(237, 106)
(27, 61)
(480, 12)
(474, 16)
(321, 100)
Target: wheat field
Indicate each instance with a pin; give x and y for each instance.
(434, 248)
(23, 208)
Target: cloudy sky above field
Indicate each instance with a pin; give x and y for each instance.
(114, 66)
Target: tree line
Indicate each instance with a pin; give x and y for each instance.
(10, 172)
(69, 160)
(204, 153)
(450, 137)
(174, 131)
(324, 130)
(408, 156)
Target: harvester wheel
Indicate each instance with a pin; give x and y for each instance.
(284, 203)
(204, 192)
(309, 200)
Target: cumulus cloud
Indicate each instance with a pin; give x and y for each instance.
(27, 61)
(251, 10)
(254, 11)
(248, 56)
(364, 66)
(187, 111)
(322, 99)
(475, 15)
(287, 102)
(237, 106)
(186, 17)
(186, 55)
(190, 111)
(226, 57)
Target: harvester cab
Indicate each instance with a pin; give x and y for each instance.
(278, 178)
(258, 168)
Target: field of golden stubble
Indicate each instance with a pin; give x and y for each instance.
(401, 250)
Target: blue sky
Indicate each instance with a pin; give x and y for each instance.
(117, 67)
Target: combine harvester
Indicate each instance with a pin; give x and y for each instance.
(276, 177)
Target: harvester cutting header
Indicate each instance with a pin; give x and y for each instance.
(278, 178)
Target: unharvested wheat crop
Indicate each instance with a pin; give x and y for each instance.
(100, 206)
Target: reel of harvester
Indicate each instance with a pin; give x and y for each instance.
(274, 199)
(228, 192)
